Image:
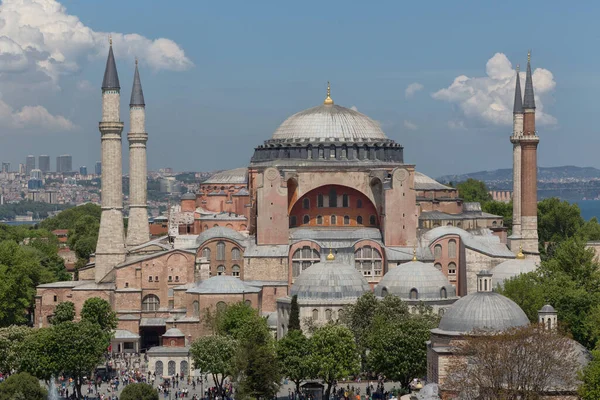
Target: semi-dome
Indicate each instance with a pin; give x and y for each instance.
(220, 232)
(330, 280)
(188, 196)
(483, 311)
(329, 122)
(429, 282)
(223, 284)
(511, 268)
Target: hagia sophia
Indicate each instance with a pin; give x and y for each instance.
(326, 210)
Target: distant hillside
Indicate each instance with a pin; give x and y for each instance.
(545, 174)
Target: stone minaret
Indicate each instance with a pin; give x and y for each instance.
(110, 249)
(515, 139)
(529, 143)
(138, 231)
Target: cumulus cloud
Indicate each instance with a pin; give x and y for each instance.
(40, 42)
(410, 125)
(412, 89)
(490, 98)
(32, 116)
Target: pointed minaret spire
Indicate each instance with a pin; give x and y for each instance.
(137, 94)
(111, 77)
(529, 100)
(518, 107)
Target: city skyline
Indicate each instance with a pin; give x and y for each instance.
(447, 85)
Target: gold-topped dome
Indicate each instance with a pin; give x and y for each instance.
(328, 100)
(520, 255)
(330, 256)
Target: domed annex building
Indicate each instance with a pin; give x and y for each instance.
(328, 180)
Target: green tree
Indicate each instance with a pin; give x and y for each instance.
(293, 352)
(22, 386)
(590, 377)
(294, 322)
(557, 220)
(214, 355)
(139, 391)
(359, 318)
(10, 339)
(473, 190)
(38, 354)
(99, 311)
(333, 355)
(500, 208)
(63, 312)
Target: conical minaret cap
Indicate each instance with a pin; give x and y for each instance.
(111, 78)
(518, 107)
(137, 94)
(529, 100)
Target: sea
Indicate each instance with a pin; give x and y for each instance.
(589, 209)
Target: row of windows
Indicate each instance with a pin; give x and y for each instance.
(333, 220)
(304, 258)
(414, 293)
(183, 368)
(332, 201)
(151, 302)
(368, 260)
(236, 254)
(328, 314)
(235, 270)
(451, 269)
(437, 249)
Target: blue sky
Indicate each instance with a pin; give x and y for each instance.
(233, 71)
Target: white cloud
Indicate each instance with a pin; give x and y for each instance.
(410, 125)
(412, 89)
(40, 42)
(490, 98)
(84, 85)
(456, 124)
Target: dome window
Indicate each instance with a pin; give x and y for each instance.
(220, 251)
(372, 220)
(346, 220)
(414, 294)
(221, 270)
(320, 200)
(315, 314)
(443, 293)
(305, 219)
(319, 220)
(306, 204)
(384, 292)
(437, 251)
(235, 271)
(304, 258)
(359, 220)
(333, 220)
(359, 203)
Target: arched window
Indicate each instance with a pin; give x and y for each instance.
(414, 294)
(306, 204)
(332, 151)
(321, 152)
(305, 219)
(452, 248)
(441, 312)
(438, 266)
(293, 221)
(171, 368)
(196, 308)
(333, 220)
(158, 368)
(494, 223)
(384, 292)
(452, 269)
(221, 270)
(437, 251)
(328, 315)
(345, 200)
(315, 314)
(248, 303)
(220, 251)
(206, 253)
(221, 306)
(346, 220)
(359, 203)
(183, 367)
(344, 151)
(359, 220)
(368, 260)
(235, 254)
(320, 200)
(332, 197)
(150, 303)
(443, 293)
(372, 220)
(319, 220)
(304, 258)
(341, 314)
(235, 270)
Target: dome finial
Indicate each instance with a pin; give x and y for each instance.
(414, 253)
(529, 56)
(110, 40)
(330, 257)
(518, 67)
(328, 101)
(520, 255)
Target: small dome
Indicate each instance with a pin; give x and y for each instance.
(173, 332)
(424, 277)
(223, 284)
(511, 268)
(330, 280)
(483, 311)
(329, 122)
(188, 196)
(547, 309)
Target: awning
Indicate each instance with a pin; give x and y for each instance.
(153, 322)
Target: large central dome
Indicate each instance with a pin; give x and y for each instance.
(329, 122)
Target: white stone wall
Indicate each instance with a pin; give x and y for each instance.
(110, 107)
(476, 262)
(516, 230)
(529, 234)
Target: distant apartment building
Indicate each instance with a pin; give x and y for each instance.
(36, 174)
(29, 164)
(44, 163)
(64, 163)
(83, 170)
(169, 185)
(21, 169)
(6, 167)
(98, 168)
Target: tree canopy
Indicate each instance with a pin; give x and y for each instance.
(214, 355)
(63, 312)
(22, 386)
(139, 391)
(473, 190)
(293, 353)
(98, 311)
(294, 322)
